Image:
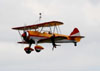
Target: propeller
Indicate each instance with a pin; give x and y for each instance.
(24, 35)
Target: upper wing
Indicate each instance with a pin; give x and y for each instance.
(36, 26)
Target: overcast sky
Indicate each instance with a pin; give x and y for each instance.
(83, 14)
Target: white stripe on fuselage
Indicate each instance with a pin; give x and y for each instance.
(77, 34)
(64, 41)
(35, 38)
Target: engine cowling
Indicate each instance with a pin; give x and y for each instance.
(25, 35)
(38, 48)
(28, 50)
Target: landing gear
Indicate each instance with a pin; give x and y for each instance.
(28, 50)
(38, 48)
(75, 43)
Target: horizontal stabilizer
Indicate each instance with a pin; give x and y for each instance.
(23, 42)
(77, 36)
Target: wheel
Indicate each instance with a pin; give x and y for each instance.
(75, 43)
(38, 48)
(28, 50)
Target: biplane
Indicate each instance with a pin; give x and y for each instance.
(35, 34)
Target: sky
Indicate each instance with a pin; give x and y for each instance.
(83, 14)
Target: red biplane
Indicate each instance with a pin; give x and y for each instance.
(35, 34)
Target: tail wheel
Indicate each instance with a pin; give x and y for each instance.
(38, 48)
(75, 43)
(28, 50)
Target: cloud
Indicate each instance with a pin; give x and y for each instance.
(95, 2)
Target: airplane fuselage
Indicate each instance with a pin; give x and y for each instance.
(38, 37)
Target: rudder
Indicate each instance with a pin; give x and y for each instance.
(75, 32)
(75, 35)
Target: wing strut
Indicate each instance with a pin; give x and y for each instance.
(56, 29)
(59, 29)
(20, 35)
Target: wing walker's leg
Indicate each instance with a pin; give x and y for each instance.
(53, 41)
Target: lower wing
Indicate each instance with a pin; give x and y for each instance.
(58, 39)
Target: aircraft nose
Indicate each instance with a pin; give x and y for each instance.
(23, 35)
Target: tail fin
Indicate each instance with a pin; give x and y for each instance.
(75, 32)
(75, 35)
